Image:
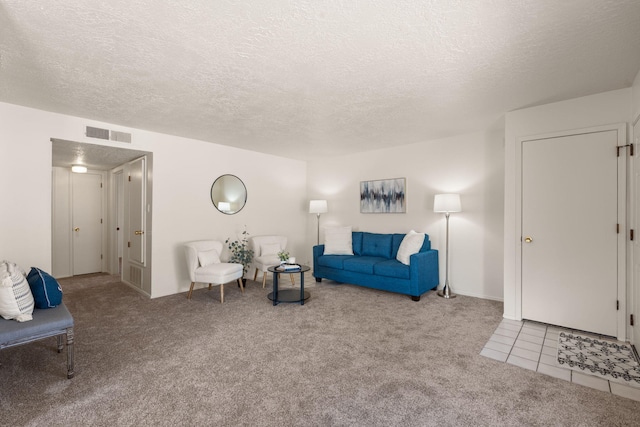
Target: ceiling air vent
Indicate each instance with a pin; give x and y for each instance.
(97, 133)
(120, 136)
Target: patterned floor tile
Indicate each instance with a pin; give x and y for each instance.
(526, 354)
(534, 346)
(590, 381)
(506, 332)
(528, 345)
(625, 391)
(531, 338)
(555, 371)
(503, 339)
(522, 363)
(493, 354)
(498, 346)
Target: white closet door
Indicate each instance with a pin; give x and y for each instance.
(87, 225)
(570, 249)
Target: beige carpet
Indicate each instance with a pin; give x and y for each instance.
(349, 357)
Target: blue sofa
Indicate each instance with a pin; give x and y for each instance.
(374, 265)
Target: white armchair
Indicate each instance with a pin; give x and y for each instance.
(203, 263)
(265, 254)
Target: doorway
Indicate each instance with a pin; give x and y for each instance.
(114, 165)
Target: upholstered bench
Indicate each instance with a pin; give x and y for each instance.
(50, 322)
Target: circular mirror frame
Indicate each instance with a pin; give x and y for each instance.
(220, 189)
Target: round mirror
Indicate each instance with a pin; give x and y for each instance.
(228, 194)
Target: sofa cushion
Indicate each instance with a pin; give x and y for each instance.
(426, 245)
(377, 245)
(43, 323)
(356, 238)
(410, 245)
(395, 244)
(333, 261)
(16, 300)
(46, 290)
(362, 264)
(392, 268)
(337, 241)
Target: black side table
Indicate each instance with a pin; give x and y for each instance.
(288, 295)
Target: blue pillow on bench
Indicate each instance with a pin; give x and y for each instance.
(46, 290)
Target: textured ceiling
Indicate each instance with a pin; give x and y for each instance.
(312, 78)
(95, 157)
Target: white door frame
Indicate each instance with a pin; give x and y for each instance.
(634, 256)
(114, 175)
(621, 128)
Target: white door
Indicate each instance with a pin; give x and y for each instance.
(570, 248)
(136, 211)
(87, 223)
(136, 269)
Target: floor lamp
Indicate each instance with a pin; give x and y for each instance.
(446, 203)
(318, 207)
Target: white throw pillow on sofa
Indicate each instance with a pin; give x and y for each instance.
(16, 299)
(208, 257)
(337, 241)
(411, 244)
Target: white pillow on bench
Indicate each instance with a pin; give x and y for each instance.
(16, 299)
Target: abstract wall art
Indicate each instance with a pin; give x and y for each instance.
(383, 196)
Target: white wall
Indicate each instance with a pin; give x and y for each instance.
(595, 110)
(470, 164)
(184, 170)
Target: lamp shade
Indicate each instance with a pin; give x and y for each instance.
(317, 206)
(447, 203)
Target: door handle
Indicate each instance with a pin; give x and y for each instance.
(528, 239)
(139, 232)
(76, 229)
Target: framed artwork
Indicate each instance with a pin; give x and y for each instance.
(383, 196)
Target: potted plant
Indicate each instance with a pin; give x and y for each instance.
(240, 252)
(283, 256)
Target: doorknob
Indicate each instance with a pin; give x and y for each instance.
(528, 239)
(76, 229)
(139, 232)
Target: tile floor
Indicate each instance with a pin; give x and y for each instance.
(534, 346)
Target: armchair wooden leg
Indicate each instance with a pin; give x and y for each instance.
(255, 275)
(190, 290)
(240, 284)
(221, 293)
(293, 280)
(209, 286)
(264, 279)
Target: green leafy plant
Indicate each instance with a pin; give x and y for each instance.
(283, 255)
(240, 251)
